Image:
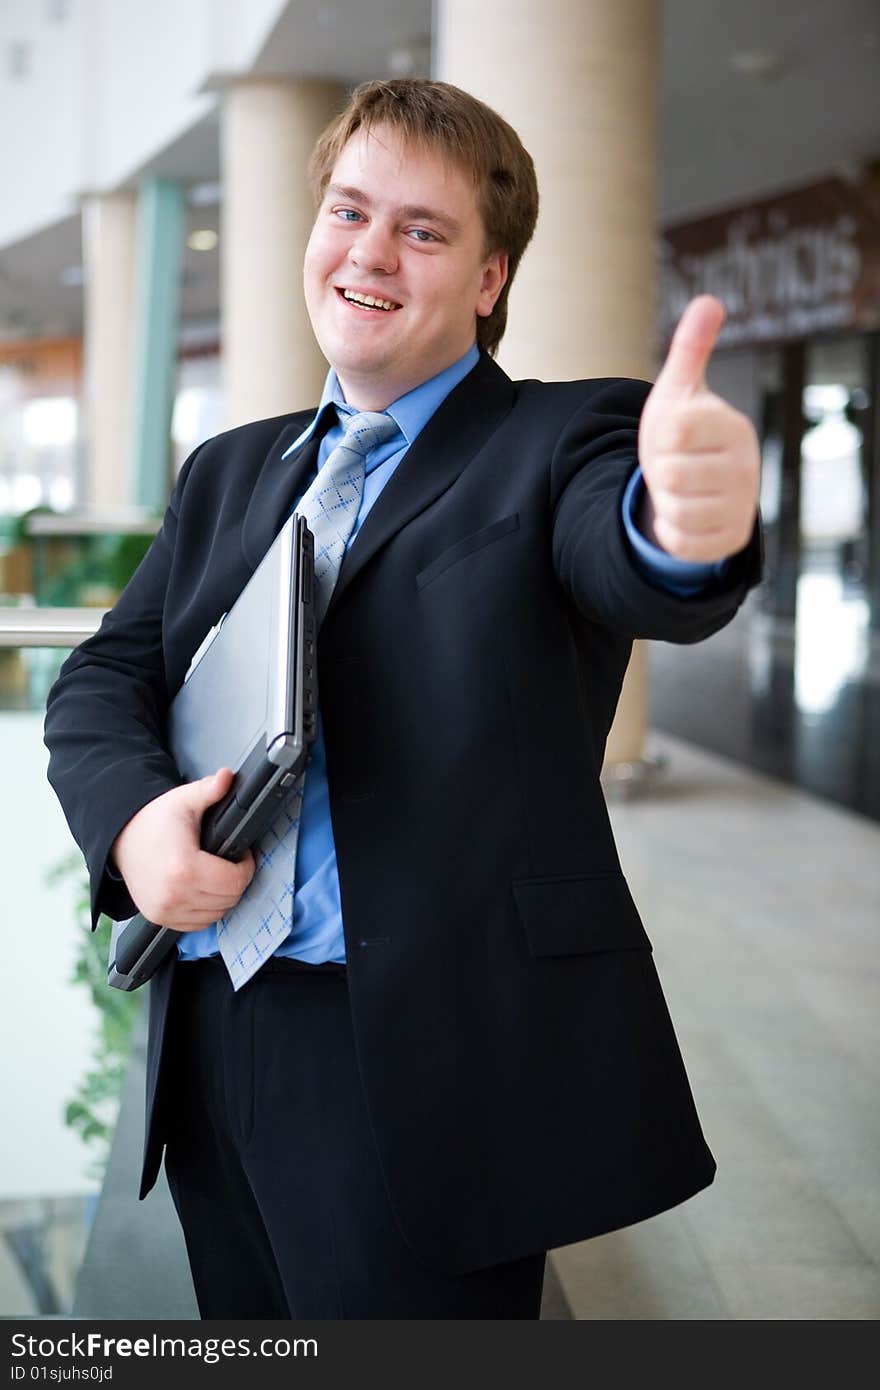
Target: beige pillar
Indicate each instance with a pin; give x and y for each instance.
(271, 362)
(579, 81)
(109, 238)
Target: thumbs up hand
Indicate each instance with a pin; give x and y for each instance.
(699, 457)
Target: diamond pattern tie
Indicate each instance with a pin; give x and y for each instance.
(262, 918)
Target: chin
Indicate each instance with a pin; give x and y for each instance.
(359, 364)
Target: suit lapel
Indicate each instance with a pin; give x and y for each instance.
(452, 437)
(280, 483)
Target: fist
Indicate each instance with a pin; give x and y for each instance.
(699, 457)
(171, 879)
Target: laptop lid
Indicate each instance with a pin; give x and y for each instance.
(239, 701)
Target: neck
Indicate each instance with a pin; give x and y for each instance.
(368, 393)
(369, 400)
(371, 395)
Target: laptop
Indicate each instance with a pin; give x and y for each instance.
(248, 702)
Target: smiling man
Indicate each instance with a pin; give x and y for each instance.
(450, 1052)
(395, 271)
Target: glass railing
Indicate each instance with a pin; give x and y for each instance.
(34, 643)
(76, 1240)
(50, 1173)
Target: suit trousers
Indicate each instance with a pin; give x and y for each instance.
(273, 1169)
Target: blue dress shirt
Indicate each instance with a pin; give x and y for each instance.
(316, 934)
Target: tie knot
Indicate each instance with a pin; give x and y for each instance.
(367, 429)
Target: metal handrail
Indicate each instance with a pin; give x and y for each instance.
(48, 627)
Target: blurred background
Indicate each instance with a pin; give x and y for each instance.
(151, 240)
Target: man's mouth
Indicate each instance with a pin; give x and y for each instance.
(368, 302)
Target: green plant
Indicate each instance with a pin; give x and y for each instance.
(87, 559)
(106, 560)
(14, 527)
(92, 1110)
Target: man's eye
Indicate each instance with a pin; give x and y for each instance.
(347, 214)
(421, 234)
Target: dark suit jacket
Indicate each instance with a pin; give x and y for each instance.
(523, 1078)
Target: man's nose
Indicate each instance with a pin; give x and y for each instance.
(375, 249)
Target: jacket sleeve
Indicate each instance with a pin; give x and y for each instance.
(106, 719)
(595, 456)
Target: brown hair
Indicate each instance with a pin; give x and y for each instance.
(465, 131)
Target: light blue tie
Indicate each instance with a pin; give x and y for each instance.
(263, 916)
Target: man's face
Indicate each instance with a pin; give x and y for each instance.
(400, 225)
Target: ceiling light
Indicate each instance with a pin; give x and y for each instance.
(759, 63)
(204, 195)
(204, 240)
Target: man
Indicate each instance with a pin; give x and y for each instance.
(454, 1053)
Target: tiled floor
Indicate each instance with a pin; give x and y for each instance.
(763, 904)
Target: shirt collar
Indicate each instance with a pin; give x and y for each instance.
(410, 412)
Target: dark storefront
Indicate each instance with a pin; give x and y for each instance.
(793, 686)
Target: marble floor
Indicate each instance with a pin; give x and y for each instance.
(763, 905)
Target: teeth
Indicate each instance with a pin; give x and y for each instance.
(368, 300)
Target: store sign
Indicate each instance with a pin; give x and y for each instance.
(790, 266)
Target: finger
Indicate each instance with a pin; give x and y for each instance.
(208, 790)
(690, 475)
(202, 913)
(206, 901)
(692, 516)
(705, 548)
(703, 423)
(196, 923)
(207, 863)
(684, 370)
(221, 877)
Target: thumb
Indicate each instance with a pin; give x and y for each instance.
(203, 793)
(684, 370)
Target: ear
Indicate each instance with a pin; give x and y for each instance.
(492, 283)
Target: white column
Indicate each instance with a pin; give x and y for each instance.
(579, 81)
(109, 225)
(271, 362)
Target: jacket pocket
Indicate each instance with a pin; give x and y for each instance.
(467, 546)
(579, 914)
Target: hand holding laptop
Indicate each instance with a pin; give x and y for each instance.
(170, 877)
(248, 706)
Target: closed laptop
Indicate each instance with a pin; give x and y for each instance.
(248, 702)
